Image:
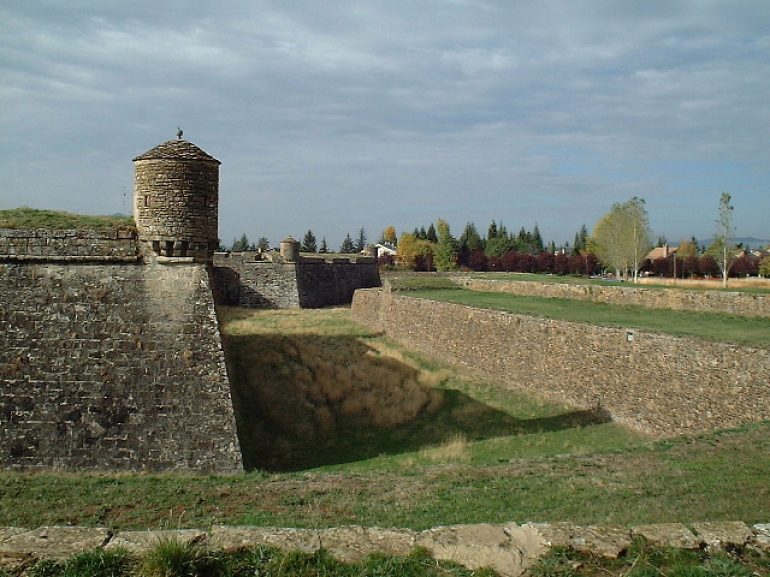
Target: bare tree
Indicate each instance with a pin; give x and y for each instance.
(722, 249)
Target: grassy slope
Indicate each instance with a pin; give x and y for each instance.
(711, 326)
(30, 218)
(480, 457)
(650, 283)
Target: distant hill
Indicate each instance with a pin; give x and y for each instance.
(32, 218)
(745, 241)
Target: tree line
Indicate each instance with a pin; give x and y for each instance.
(308, 243)
(435, 248)
(619, 243)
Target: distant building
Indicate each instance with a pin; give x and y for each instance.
(664, 251)
(386, 249)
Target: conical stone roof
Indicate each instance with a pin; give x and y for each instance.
(176, 150)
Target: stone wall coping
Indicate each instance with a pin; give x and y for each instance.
(70, 258)
(111, 234)
(508, 548)
(174, 259)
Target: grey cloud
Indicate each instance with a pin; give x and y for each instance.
(364, 113)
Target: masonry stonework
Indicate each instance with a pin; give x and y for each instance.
(254, 280)
(112, 366)
(658, 384)
(110, 351)
(176, 200)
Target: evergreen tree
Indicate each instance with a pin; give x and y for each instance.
(422, 235)
(431, 235)
(347, 246)
(580, 244)
(324, 249)
(263, 244)
(361, 241)
(583, 237)
(308, 242)
(241, 244)
(470, 238)
(537, 240)
(492, 231)
(445, 257)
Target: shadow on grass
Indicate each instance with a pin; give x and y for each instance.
(304, 401)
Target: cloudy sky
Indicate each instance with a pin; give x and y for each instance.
(336, 115)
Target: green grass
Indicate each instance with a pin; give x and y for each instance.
(30, 218)
(408, 280)
(482, 455)
(582, 280)
(643, 560)
(176, 560)
(171, 559)
(311, 389)
(711, 326)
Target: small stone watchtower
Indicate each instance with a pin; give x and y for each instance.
(176, 201)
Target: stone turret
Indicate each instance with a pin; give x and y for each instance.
(290, 249)
(176, 201)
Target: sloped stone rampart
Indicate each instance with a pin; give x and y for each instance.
(509, 549)
(112, 366)
(729, 302)
(659, 384)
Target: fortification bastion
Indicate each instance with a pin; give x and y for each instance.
(110, 351)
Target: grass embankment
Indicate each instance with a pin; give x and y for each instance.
(313, 389)
(30, 218)
(749, 285)
(474, 455)
(754, 331)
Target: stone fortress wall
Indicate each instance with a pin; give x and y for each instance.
(68, 246)
(659, 384)
(729, 302)
(107, 363)
(110, 350)
(253, 280)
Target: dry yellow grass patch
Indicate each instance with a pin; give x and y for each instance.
(456, 448)
(307, 372)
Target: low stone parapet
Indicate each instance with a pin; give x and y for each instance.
(71, 246)
(509, 548)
